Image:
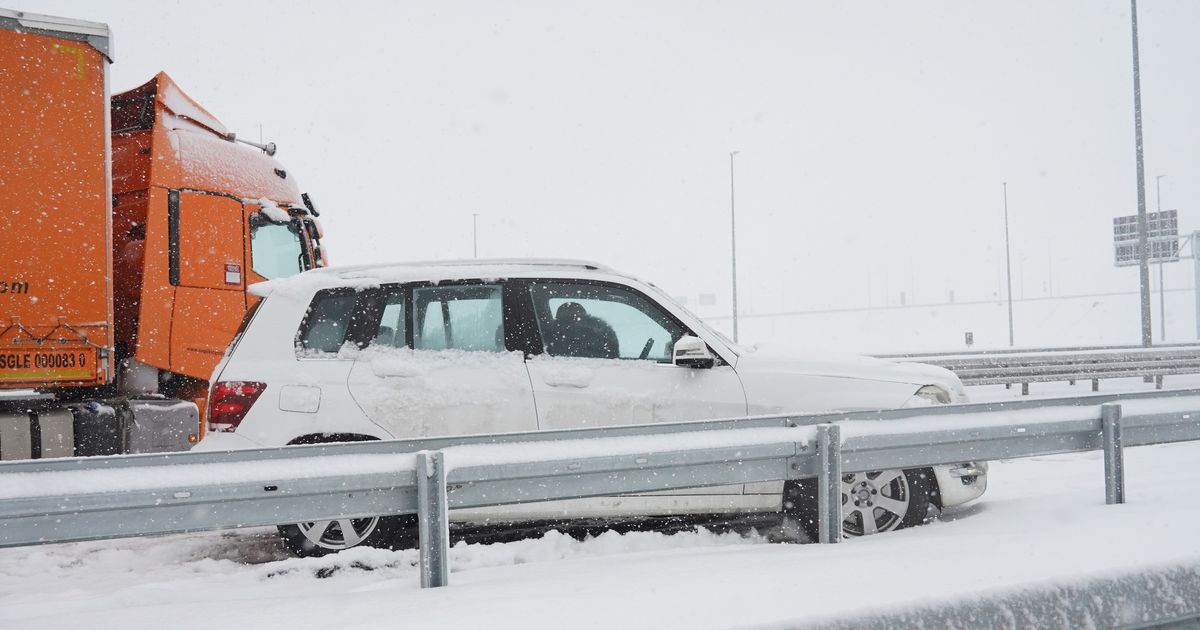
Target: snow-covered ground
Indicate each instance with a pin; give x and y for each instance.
(1042, 522)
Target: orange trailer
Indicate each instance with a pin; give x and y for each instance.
(56, 307)
(132, 227)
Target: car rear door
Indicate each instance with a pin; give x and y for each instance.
(437, 363)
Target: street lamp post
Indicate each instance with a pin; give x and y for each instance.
(1008, 265)
(1143, 245)
(733, 244)
(1162, 301)
(475, 235)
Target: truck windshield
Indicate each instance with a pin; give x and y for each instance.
(276, 250)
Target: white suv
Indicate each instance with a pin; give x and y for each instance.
(434, 349)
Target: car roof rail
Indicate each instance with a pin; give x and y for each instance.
(479, 262)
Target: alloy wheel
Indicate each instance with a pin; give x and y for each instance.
(875, 501)
(337, 534)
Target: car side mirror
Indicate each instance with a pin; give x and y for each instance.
(692, 352)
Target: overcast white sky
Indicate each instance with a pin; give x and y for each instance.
(874, 136)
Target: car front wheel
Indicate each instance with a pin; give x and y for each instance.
(872, 502)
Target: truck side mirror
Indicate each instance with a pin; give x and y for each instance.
(692, 352)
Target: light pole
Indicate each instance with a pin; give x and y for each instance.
(1162, 303)
(1143, 245)
(475, 235)
(733, 243)
(1008, 265)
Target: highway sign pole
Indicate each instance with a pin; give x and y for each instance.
(1196, 278)
(733, 244)
(1142, 244)
(1162, 300)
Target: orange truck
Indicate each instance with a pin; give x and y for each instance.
(130, 227)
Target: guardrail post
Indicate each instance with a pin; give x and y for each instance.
(1114, 457)
(433, 520)
(829, 483)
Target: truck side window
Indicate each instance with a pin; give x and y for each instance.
(276, 250)
(324, 328)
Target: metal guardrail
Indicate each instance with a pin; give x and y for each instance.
(1028, 350)
(1039, 365)
(50, 501)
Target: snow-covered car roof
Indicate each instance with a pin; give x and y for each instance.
(373, 275)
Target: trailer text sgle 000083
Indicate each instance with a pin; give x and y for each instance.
(26, 360)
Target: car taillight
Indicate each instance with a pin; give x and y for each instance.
(229, 402)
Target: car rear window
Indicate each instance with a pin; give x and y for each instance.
(324, 328)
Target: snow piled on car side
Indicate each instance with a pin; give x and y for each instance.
(436, 392)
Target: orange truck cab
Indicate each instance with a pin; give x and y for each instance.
(132, 227)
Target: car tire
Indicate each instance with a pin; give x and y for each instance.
(321, 538)
(892, 499)
(313, 539)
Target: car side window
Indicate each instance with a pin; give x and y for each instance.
(458, 317)
(602, 322)
(392, 330)
(326, 323)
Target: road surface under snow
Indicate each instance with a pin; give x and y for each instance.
(1042, 523)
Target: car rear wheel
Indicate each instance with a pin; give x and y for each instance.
(318, 538)
(872, 502)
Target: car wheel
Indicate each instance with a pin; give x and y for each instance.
(318, 538)
(872, 502)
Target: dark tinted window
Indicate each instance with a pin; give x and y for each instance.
(326, 324)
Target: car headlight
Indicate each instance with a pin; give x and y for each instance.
(929, 395)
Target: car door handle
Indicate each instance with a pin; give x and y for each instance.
(572, 381)
(386, 370)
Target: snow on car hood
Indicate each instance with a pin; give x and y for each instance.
(822, 362)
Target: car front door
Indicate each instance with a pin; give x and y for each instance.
(605, 359)
(437, 363)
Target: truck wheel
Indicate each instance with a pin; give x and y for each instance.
(319, 538)
(872, 502)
